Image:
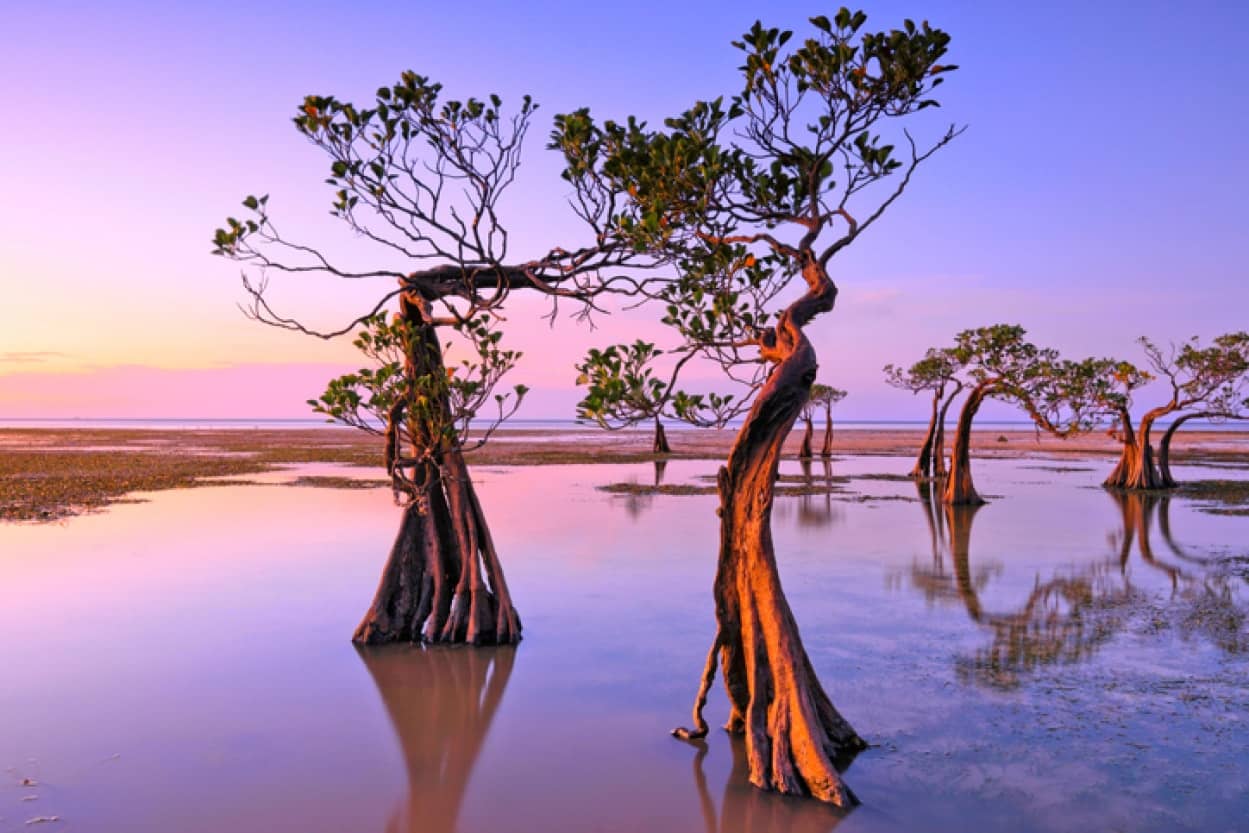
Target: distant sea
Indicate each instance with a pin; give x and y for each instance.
(243, 424)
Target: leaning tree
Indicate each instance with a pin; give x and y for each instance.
(936, 372)
(1196, 377)
(822, 396)
(1060, 396)
(746, 200)
(418, 180)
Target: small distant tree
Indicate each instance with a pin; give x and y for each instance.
(998, 362)
(745, 200)
(1197, 377)
(826, 397)
(624, 389)
(418, 179)
(937, 372)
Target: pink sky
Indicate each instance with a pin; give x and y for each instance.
(1072, 205)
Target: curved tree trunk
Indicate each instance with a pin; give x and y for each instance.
(1118, 478)
(660, 445)
(827, 450)
(959, 489)
(443, 581)
(1164, 448)
(441, 704)
(1144, 473)
(794, 737)
(923, 463)
(938, 443)
(807, 433)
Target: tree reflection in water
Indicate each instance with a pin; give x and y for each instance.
(1067, 618)
(440, 701)
(815, 509)
(637, 503)
(746, 809)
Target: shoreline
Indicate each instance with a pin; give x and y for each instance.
(48, 474)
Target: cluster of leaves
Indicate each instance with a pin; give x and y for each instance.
(1061, 396)
(795, 150)
(435, 403)
(623, 388)
(933, 372)
(429, 172)
(827, 395)
(1200, 375)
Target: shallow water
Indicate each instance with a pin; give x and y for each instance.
(1056, 660)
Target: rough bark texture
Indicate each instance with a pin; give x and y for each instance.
(441, 703)
(794, 737)
(923, 463)
(826, 450)
(807, 433)
(1118, 478)
(661, 439)
(1144, 473)
(959, 489)
(443, 581)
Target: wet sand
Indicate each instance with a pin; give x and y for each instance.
(48, 474)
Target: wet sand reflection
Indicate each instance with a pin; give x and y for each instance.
(746, 809)
(1068, 616)
(441, 702)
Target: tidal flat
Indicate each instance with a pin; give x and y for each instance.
(1062, 658)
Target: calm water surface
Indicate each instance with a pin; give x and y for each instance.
(1057, 660)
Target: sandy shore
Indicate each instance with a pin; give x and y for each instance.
(46, 474)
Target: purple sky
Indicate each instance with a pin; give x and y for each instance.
(1096, 196)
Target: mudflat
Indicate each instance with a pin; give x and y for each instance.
(51, 473)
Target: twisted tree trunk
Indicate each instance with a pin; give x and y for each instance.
(1118, 478)
(959, 489)
(827, 450)
(923, 463)
(805, 452)
(794, 737)
(443, 581)
(1144, 473)
(938, 443)
(660, 445)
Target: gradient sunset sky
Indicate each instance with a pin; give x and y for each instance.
(1096, 196)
